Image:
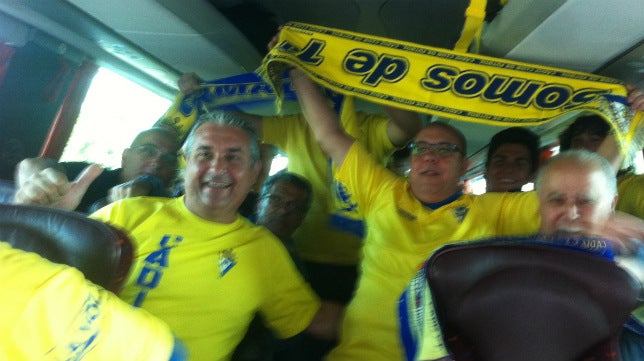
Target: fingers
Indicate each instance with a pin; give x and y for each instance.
(189, 83)
(133, 188)
(273, 42)
(87, 176)
(275, 39)
(78, 188)
(43, 188)
(635, 98)
(120, 191)
(626, 232)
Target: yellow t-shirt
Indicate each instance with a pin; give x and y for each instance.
(401, 234)
(329, 233)
(630, 188)
(207, 280)
(51, 312)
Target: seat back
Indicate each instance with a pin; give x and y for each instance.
(101, 252)
(508, 301)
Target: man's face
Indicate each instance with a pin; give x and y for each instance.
(509, 168)
(573, 199)
(219, 172)
(587, 141)
(283, 209)
(435, 174)
(154, 153)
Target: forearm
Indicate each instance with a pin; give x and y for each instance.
(609, 149)
(326, 322)
(403, 126)
(322, 119)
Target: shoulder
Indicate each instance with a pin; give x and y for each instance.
(630, 180)
(364, 116)
(506, 197)
(516, 203)
(130, 208)
(259, 233)
(285, 118)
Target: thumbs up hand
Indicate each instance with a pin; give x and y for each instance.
(50, 187)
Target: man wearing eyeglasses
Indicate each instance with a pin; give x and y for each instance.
(406, 219)
(148, 167)
(283, 202)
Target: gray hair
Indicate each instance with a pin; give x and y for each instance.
(225, 119)
(584, 158)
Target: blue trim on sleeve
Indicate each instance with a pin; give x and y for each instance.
(179, 351)
(409, 343)
(352, 226)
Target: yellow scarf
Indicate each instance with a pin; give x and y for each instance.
(448, 83)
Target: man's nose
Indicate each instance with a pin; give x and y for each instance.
(155, 159)
(429, 156)
(572, 212)
(218, 164)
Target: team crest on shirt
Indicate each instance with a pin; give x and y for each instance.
(460, 213)
(343, 197)
(226, 261)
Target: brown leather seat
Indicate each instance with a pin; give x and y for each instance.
(101, 252)
(504, 301)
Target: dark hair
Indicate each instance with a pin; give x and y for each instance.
(516, 135)
(593, 124)
(288, 177)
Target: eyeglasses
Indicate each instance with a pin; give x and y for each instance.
(150, 151)
(440, 149)
(279, 201)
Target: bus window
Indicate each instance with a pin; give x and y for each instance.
(279, 163)
(114, 111)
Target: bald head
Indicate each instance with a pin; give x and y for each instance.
(577, 193)
(152, 152)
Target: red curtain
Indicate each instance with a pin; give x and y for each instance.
(62, 126)
(6, 52)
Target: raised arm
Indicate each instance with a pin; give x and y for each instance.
(609, 148)
(403, 125)
(326, 322)
(324, 122)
